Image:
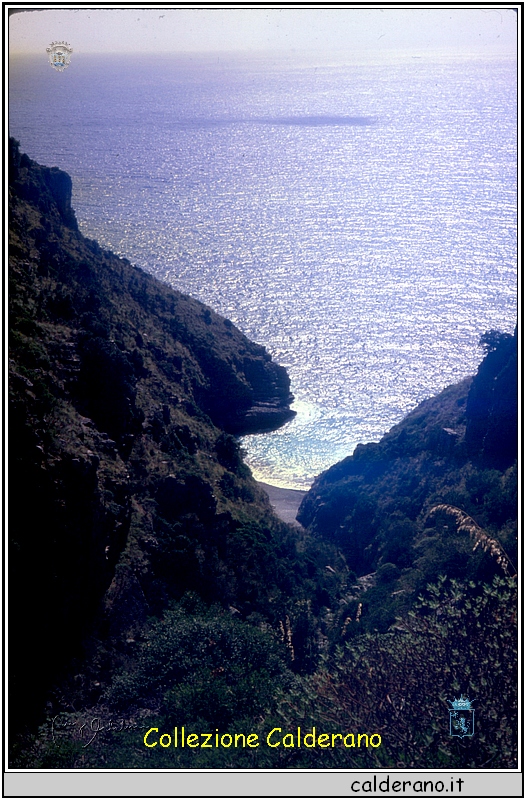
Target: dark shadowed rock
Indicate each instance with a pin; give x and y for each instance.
(120, 388)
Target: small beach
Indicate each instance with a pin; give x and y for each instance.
(285, 502)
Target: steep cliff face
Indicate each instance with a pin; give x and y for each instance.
(458, 448)
(148, 576)
(234, 380)
(126, 487)
(492, 418)
(49, 189)
(364, 501)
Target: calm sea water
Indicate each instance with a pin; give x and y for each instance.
(358, 219)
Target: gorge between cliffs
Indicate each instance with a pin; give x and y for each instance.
(149, 567)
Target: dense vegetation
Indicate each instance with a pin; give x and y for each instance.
(457, 449)
(154, 583)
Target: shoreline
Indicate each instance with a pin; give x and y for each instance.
(285, 502)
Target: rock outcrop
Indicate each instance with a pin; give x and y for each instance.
(492, 418)
(126, 484)
(457, 448)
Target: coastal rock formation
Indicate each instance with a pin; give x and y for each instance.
(491, 411)
(126, 484)
(149, 579)
(458, 448)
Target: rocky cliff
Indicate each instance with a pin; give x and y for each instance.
(149, 579)
(126, 485)
(458, 448)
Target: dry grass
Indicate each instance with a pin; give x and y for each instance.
(481, 538)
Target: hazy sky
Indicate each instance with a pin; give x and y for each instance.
(163, 29)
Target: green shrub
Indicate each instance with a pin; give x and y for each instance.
(460, 639)
(203, 665)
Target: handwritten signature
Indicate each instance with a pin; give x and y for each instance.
(89, 727)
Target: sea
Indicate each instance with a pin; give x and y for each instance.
(356, 215)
